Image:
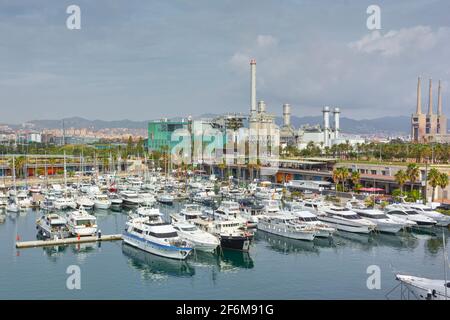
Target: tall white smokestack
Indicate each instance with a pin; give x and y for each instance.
(286, 115)
(261, 106)
(336, 112)
(430, 98)
(326, 125)
(253, 86)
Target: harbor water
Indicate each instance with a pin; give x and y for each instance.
(275, 267)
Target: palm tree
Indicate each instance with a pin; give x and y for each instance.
(413, 172)
(355, 177)
(433, 179)
(443, 181)
(336, 176)
(401, 177)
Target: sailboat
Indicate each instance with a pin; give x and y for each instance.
(428, 289)
(12, 205)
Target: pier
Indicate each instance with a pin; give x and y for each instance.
(66, 241)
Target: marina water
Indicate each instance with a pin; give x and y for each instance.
(275, 267)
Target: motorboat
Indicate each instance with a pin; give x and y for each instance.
(116, 201)
(153, 235)
(85, 202)
(384, 223)
(23, 200)
(345, 219)
(12, 206)
(271, 207)
(148, 199)
(3, 200)
(131, 199)
(201, 240)
(441, 219)
(401, 212)
(424, 288)
(64, 203)
(286, 225)
(227, 210)
(166, 198)
(229, 232)
(324, 230)
(251, 211)
(188, 213)
(48, 203)
(101, 201)
(81, 223)
(52, 226)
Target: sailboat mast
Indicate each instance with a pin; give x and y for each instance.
(445, 263)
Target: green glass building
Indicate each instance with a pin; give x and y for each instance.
(160, 133)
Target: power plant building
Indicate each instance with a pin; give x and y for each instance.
(429, 127)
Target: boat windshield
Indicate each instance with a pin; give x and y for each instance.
(411, 212)
(189, 229)
(84, 222)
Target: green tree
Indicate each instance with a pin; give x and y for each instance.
(413, 172)
(401, 177)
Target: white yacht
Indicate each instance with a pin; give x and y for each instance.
(229, 210)
(426, 289)
(3, 200)
(131, 199)
(324, 230)
(383, 222)
(101, 201)
(81, 223)
(286, 225)
(400, 212)
(166, 198)
(441, 219)
(346, 220)
(64, 203)
(48, 203)
(153, 235)
(85, 202)
(271, 207)
(23, 200)
(188, 213)
(201, 240)
(146, 212)
(252, 211)
(229, 232)
(115, 199)
(52, 225)
(12, 206)
(148, 199)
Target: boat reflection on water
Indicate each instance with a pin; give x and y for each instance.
(400, 240)
(287, 245)
(54, 252)
(153, 267)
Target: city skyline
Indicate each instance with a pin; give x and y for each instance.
(134, 62)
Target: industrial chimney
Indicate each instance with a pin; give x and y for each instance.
(253, 86)
(326, 125)
(261, 106)
(286, 115)
(430, 99)
(419, 98)
(336, 113)
(439, 99)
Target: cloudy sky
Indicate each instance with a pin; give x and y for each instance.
(147, 59)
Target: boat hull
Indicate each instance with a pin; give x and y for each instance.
(155, 248)
(241, 243)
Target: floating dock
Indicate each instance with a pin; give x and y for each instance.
(66, 241)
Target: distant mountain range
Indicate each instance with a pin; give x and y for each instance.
(384, 125)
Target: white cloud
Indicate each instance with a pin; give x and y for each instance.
(397, 42)
(264, 41)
